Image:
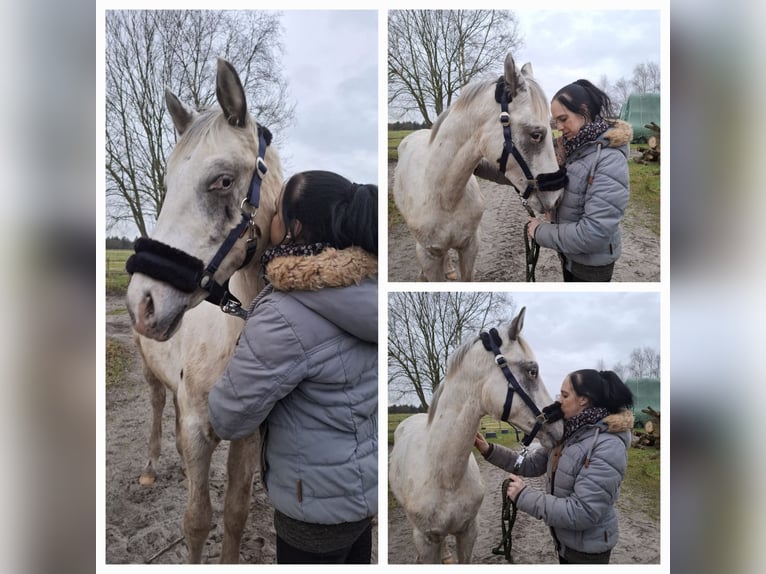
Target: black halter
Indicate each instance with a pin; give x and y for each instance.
(188, 273)
(544, 181)
(492, 342)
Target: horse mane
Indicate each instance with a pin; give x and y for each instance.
(472, 91)
(453, 364)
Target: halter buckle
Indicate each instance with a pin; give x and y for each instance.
(260, 167)
(231, 307)
(500, 360)
(505, 119)
(520, 459)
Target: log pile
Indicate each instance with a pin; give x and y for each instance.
(649, 436)
(651, 153)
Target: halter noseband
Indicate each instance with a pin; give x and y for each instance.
(544, 181)
(188, 273)
(549, 414)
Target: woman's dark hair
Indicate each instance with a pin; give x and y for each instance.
(585, 99)
(603, 388)
(332, 210)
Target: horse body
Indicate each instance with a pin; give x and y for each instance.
(432, 471)
(186, 343)
(434, 186)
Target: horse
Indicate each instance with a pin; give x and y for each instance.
(223, 180)
(434, 184)
(432, 472)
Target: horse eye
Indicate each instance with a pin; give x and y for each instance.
(222, 182)
(536, 137)
(532, 373)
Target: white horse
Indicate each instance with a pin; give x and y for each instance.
(185, 342)
(432, 472)
(434, 186)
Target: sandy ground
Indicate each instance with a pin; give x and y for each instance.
(639, 538)
(501, 253)
(143, 524)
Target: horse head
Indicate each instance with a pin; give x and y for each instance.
(209, 225)
(522, 146)
(504, 401)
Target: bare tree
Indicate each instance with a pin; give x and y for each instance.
(620, 91)
(646, 78)
(652, 360)
(147, 51)
(644, 362)
(620, 370)
(433, 53)
(424, 328)
(637, 365)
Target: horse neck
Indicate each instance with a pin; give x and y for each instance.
(451, 432)
(247, 283)
(455, 150)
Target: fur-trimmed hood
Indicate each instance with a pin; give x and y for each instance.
(620, 134)
(619, 422)
(330, 268)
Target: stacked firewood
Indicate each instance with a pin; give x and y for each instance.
(651, 153)
(649, 436)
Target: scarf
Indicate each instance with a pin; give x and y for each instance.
(292, 249)
(588, 133)
(589, 416)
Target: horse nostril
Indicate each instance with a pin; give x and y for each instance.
(147, 307)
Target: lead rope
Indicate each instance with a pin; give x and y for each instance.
(532, 252)
(507, 520)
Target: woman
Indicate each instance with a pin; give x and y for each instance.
(584, 471)
(306, 367)
(585, 227)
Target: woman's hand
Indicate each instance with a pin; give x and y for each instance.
(533, 223)
(515, 486)
(481, 443)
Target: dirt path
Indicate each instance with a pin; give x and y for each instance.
(639, 541)
(501, 253)
(142, 522)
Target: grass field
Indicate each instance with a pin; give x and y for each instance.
(642, 478)
(116, 277)
(644, 189)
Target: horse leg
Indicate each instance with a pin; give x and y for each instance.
(432, 262)
(427, 547)
(157, 393)
(240, 466)
(465, 541)
(179, 446)
(467, 256)
(198, 445)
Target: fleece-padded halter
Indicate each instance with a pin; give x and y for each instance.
(188, 273)
(544, 181)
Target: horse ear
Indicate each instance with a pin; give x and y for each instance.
(510, 75)
(230, 94)
(517, 325)
(181, 115)
(526, 70)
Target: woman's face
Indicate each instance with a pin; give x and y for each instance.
(571, 403)
(277, 232)
(568, 122)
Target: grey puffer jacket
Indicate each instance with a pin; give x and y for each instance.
(306, 364)
(585, 226)
(584, 486)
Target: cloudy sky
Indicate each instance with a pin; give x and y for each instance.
(571, 331)
(331, 64)
(564, 46)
